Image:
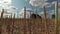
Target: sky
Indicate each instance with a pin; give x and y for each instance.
(17, 5)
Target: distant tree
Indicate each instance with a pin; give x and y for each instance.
(53, 15)
(35, 16)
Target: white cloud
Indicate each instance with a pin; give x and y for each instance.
(41, 3)
(50, 4)
(22, 11)
(7, 15)
(6, 2)
(54, 2)
(11, 8)
(27, 12)
(8, 9)
(38, 2)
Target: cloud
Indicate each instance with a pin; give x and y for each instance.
(50, 12)
(36, 2)
(10, 8)
(6, 5)
(7, 15)
(22, 11)
(59, 4)
(6, 2)
(54, 2)
(41, 3)
(50, 4)
(27, 12)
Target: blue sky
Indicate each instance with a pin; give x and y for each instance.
(19, 4)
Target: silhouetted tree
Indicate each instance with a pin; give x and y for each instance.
(53, 16)
(35, 16)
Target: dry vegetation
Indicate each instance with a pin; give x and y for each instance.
(27, 26)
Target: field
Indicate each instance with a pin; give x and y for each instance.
(28, 26)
